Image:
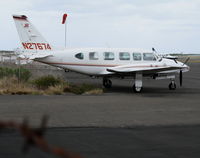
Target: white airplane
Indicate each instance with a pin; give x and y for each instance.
(99, 62)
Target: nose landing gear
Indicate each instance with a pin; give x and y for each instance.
(137, 87)
(172, 85)
(107, 83)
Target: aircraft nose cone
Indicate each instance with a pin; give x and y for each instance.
(185, 68)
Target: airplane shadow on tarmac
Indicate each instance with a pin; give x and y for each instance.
(164, 91)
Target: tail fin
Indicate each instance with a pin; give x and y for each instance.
(31, 39)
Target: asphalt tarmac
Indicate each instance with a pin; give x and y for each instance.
(140, 142)
(119, 123)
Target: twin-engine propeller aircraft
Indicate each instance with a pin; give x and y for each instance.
(99, 62)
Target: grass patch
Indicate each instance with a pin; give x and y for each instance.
(79, 89)
(13, 86)
(47, 85)
(96, 91)
(55, 90)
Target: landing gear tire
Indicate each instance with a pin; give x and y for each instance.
(137, 89)
(172, 86)
(107, 83)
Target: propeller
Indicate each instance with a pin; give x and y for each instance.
(154, 50)
(181, 77)
(181, 72)
(186, 61)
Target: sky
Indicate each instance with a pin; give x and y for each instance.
(170, 26)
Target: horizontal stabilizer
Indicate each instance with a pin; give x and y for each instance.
(34, 56)
(38, 56)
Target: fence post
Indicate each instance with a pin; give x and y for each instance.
(19, 73)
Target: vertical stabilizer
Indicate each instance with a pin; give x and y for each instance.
(31, 39)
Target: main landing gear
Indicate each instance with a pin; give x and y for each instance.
(107, 83)
(172, 85)
(137, 87)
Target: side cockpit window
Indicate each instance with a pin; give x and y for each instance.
(93, 56)
(79, 56)
(149, 57)
(109, 56)
(137, 56)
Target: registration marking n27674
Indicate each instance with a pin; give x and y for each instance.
(39, 46)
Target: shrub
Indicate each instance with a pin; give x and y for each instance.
(6, 72)
(21, 73)
(46, 81)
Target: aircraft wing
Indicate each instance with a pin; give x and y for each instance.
(142, 68)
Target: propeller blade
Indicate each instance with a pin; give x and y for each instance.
(186, 61)
(181, 77)
(154, 50)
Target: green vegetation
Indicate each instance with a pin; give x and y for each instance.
(12, 83)
(46, 81)
(21, 73)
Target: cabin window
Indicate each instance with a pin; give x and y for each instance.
(149, 57)
(124, 56)
(93, 56)
(79, 56)
(109, 56)
(137, 56)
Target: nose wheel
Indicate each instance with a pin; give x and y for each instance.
(137, 89)
(172, 85)
(107, 83)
